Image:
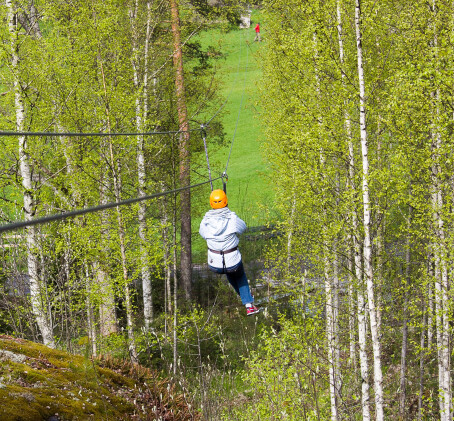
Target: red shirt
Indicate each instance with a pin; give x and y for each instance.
(257, 28)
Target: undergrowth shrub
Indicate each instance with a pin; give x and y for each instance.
(287, 375)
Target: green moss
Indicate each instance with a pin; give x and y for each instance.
(51, 381)
(32, 349)
(114, 378)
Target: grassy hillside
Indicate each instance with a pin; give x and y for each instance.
(249, 187)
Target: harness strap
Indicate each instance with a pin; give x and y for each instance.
(222, 253)
(225, 251)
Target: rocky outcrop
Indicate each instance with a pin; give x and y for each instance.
(39, 383)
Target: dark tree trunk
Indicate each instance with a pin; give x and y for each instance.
(185, 178)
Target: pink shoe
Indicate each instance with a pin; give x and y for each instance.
(252, 310)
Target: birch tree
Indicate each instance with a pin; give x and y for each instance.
(367, 223)
(141, 106)
(440, 254)
(355, 237)
(37, 287)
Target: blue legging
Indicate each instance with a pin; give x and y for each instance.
(238, 279)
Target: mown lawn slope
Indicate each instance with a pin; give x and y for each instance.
(249, 187)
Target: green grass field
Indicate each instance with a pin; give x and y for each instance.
(249, 187)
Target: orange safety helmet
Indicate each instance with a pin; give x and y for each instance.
(218, 199)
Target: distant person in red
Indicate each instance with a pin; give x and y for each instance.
(257, 32)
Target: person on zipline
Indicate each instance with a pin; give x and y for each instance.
(219, 227)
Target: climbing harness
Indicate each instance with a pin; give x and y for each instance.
(222, 253)
(225, 251)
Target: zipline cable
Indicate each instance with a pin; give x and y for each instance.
(81, 134)
(204, 136)
(77, 212)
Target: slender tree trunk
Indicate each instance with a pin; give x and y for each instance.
(331, 323)
(330, 293)
(166, 245)
(430, 305)
(336, 308)
(107, 314)
(362, 323)
(351, 309)
(378, 276)
(403, 359)
(185, 177)
(361, 303)
(330, 333)
(439, 335)
(362, 340)
(368, 269)
(141, 114)
(422, 360)
(122, 235)
(116, 173)
(442, 305)
(91, 325)
(37, 289)
(290, 231)
(175, 292)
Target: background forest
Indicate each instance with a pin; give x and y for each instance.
(349, 203)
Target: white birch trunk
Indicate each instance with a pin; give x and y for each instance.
(91, 325)
(175, 290)
(362, 323)
(422, 360)
(441, 305)
(441, 263)
(403, 359)
(362, 340)
(335, 293)
(141, 113)
(351, 309)
(361, 303)
(378, 279)
(439, 337)
(329, 300)
(122, 235)
(430, 307)
(290, 231)
(329, 314)
(37, 290)
(367, 257)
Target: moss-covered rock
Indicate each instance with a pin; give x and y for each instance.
(39, 383)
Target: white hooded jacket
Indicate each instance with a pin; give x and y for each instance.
(219, 227)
